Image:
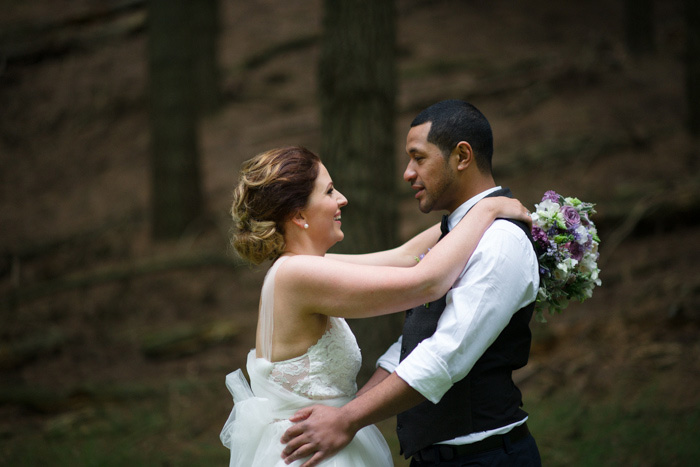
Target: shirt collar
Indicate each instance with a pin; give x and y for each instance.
(464, 208)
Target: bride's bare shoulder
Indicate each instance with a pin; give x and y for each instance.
(304, 265)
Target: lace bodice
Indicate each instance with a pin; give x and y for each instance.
(328, 368)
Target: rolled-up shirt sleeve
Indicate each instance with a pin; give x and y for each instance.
(500, 278)
(390, 359)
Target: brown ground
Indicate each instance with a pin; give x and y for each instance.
(571, 111)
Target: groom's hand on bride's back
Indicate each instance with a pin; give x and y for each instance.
(319, 431)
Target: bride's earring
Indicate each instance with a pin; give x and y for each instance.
(306, 226)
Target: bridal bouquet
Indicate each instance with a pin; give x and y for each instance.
(566, 242)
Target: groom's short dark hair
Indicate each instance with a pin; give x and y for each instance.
(454, 121)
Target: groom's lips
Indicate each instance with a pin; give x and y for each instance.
(420, 189)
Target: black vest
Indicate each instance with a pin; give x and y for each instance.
(486, 398)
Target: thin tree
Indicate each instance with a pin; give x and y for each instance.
(692, 64)
(176, 193)
(357, 81)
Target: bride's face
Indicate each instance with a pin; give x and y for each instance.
(323, 210)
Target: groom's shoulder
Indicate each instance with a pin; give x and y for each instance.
(508, 231)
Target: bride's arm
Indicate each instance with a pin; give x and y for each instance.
(401, 256)
(322, 285)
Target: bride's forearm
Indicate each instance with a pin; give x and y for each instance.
(448, 258)
(440, 268)
(402, 256)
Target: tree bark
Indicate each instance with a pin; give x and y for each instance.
(357, 80)
(205, 22)
(176, 197)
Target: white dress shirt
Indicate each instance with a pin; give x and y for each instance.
(501, 277)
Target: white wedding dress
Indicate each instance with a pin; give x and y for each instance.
(325, 374)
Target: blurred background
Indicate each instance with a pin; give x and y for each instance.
(123, 124)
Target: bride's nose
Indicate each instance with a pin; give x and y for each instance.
(342, 200)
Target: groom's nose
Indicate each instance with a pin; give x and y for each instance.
(409, 174)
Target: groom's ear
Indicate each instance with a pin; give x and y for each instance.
(465, 155)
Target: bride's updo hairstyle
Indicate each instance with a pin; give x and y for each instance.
(272, 188)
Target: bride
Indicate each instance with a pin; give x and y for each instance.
(286, 209)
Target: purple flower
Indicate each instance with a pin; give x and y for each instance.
(540, 236)
(576, 250)
(551, 195)
(571, 216)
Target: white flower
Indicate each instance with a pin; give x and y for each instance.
(548, 208)
(546, 214)
(581, 234)
(567, 265)
(588, 263)
(588, 292)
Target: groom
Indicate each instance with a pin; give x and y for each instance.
(449, 375)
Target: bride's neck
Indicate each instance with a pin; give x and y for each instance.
(303, 247)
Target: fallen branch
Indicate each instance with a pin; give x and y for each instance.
(187, 339)
(50, 39)
(28, 349)
(643, 209)
(118, 273)
(50, 400)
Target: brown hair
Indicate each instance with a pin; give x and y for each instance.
(272, 187)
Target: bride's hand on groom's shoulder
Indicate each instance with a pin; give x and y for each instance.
(319, 431)
(507, 208)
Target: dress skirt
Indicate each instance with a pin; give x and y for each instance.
(260, 417)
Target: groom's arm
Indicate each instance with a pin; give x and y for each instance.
(379, 375)
(386, 364)
(326, 430)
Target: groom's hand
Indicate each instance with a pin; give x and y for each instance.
(320, 432)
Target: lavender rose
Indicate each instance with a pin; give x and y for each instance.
(571, 216)
(576, 250)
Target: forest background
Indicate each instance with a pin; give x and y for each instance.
(115, 341)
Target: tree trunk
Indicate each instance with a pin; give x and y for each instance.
(692, 64)
(176, 198)
(639, 26)
(205, 22)
(357, 79)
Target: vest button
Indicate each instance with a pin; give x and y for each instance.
(403, 350)
(409, 312)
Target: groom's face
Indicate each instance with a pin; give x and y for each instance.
(428, 171)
